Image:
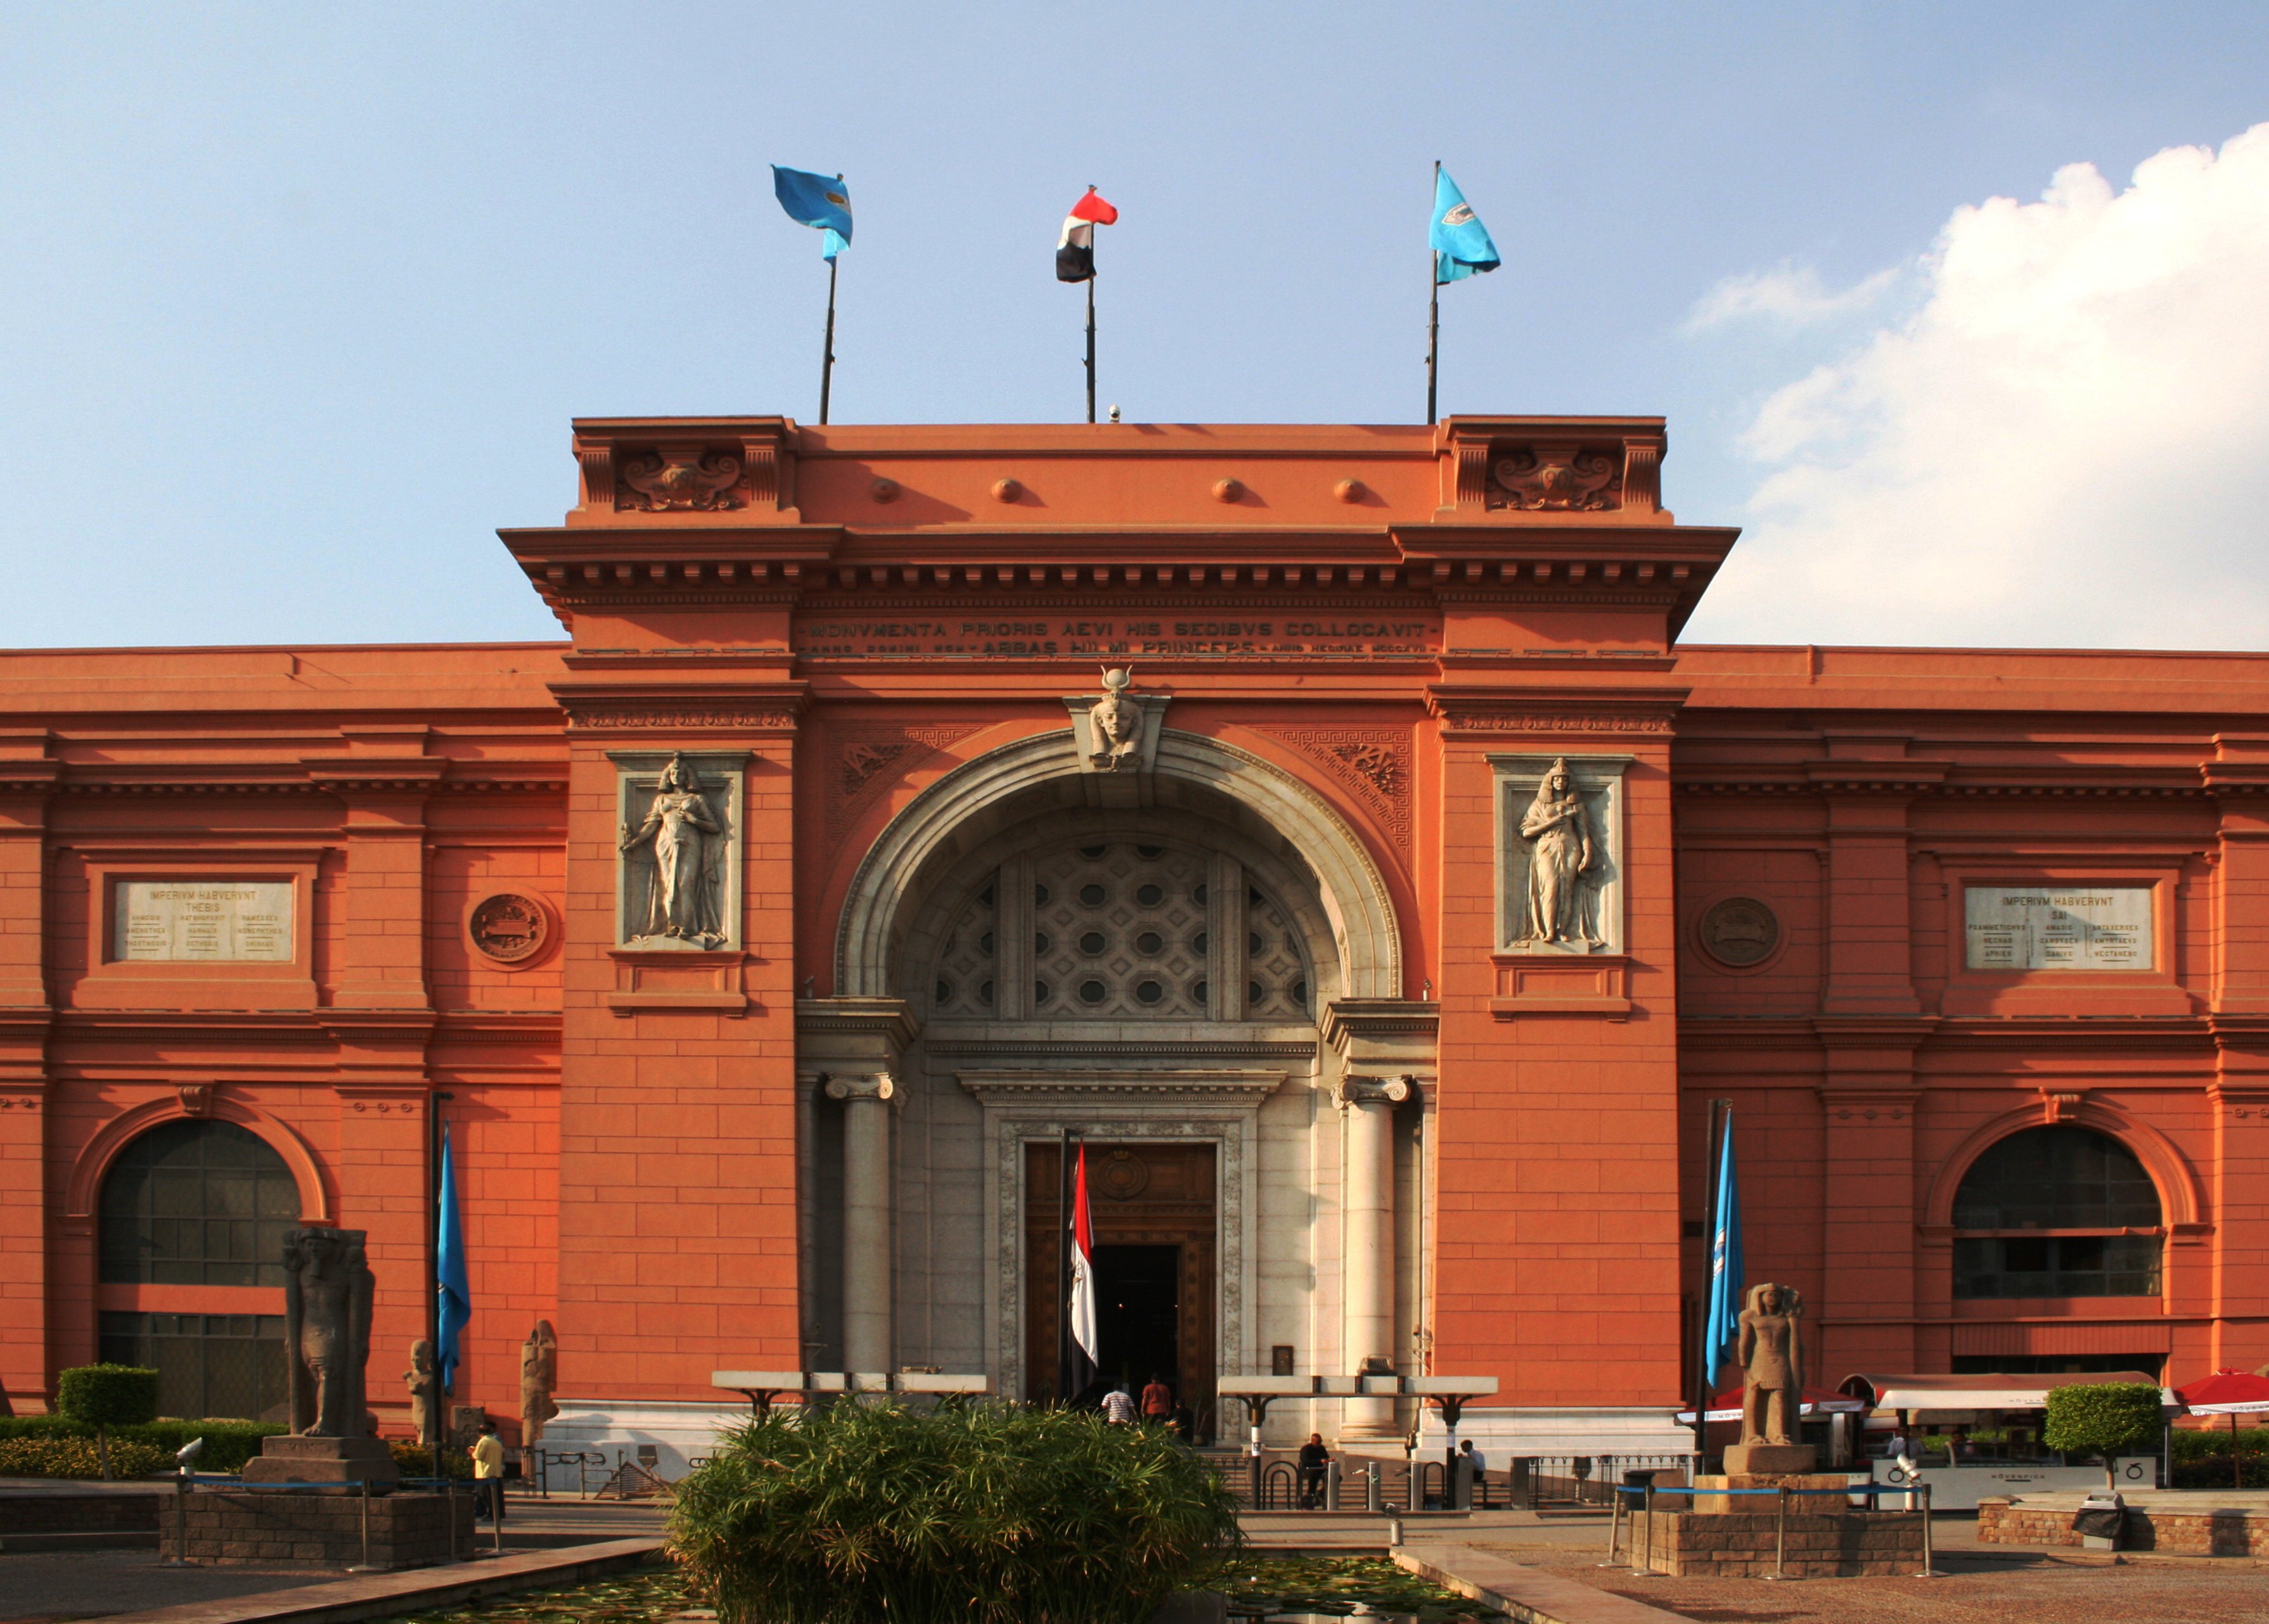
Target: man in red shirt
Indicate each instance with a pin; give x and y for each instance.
(1158, 1401)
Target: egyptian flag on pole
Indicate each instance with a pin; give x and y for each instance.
(1075, 247)
(1085, 1343)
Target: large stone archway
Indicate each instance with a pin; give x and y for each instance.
(1007, 785)
(933, 1102)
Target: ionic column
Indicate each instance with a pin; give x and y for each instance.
(866, 1219)
(1367, 1275)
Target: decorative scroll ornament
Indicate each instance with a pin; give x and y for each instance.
(679, 480)
(1559, 479)
(1374, 762)
(509, 928)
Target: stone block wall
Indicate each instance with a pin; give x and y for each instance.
(2209, 1531)
(1742, 1545)
(78, 1514)
(279, 1528)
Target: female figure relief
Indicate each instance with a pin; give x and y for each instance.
(1559, 832)
(682, 896)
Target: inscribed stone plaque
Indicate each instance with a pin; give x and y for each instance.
(2058, 928)
(156, 920)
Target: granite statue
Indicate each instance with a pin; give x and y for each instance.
(539, 1379)
(328, 1288)
(422, 1397)
(1771, 1348)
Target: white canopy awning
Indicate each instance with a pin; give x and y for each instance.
(1984, 1391)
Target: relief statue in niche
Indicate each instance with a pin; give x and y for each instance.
(1565, 866)
(683, 898)
(1118, 723)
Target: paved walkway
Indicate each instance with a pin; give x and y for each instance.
(48, 1589)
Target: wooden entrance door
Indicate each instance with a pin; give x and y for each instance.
(1139, 1194)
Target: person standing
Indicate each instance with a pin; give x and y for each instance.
(1118, 1406)
(488, 1473)
(1158, 1401)
(1314, 1457)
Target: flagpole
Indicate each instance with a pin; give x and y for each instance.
(1091, 341)
(827, 345)
(1063, 1271)
(1433, 306)
(434, 1409)
(1703, 1327)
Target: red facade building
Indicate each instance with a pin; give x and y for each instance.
(1387, 928)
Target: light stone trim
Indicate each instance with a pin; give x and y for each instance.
(1034, 1117)
(934, 827)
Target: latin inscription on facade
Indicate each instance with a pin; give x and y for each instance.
(2058, 928)
(156, 920)
(1044, 637)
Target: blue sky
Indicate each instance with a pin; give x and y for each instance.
(296, 302)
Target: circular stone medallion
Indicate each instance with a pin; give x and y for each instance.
(1740, 931)
(1123, 1176)
(509, 928)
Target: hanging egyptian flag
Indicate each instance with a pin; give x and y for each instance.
(1075, 247)
(1086, 1343)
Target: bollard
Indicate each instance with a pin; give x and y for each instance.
(1929, 1567)
(1370, 1485)
(1646, 1564)
(181, 1558)
(1780, 1536)
(1393, 1532)
(1331, 1484)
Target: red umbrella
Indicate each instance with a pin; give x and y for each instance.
(2232, 1393)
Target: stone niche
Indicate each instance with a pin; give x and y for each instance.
(1560, 854)
(677, 861)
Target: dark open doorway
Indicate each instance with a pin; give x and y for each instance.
(1138, 1309)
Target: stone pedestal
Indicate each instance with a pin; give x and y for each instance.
(289, 1459)
(297, 1528)
(1770, 1460)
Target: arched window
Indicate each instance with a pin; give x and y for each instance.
(2056, 1212)
(199, 1205)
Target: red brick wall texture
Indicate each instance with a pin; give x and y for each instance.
(1378, 612)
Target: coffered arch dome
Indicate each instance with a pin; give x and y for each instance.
(1279, 825)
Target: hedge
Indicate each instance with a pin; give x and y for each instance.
(228, 1443)
(78, 1458)
(415, 1459)
(990, 1514)
(2201, 1444)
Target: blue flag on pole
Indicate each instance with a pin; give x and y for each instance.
(821, 201)
(449, 1265)
(1461, 242)
(1721, 1320)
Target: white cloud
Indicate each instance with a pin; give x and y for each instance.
(1791, 295)
(2065, 444)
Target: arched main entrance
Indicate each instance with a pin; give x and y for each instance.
(1152, 965)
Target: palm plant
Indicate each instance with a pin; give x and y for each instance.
(991, 1514)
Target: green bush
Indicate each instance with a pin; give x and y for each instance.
(107, 1395)
(80, 1457)
(991, 1514)
(2200, 1443)
(2114, 1417)
(103, 1396)
(2215, 1471)
(228, 1443)
(416, 1460)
